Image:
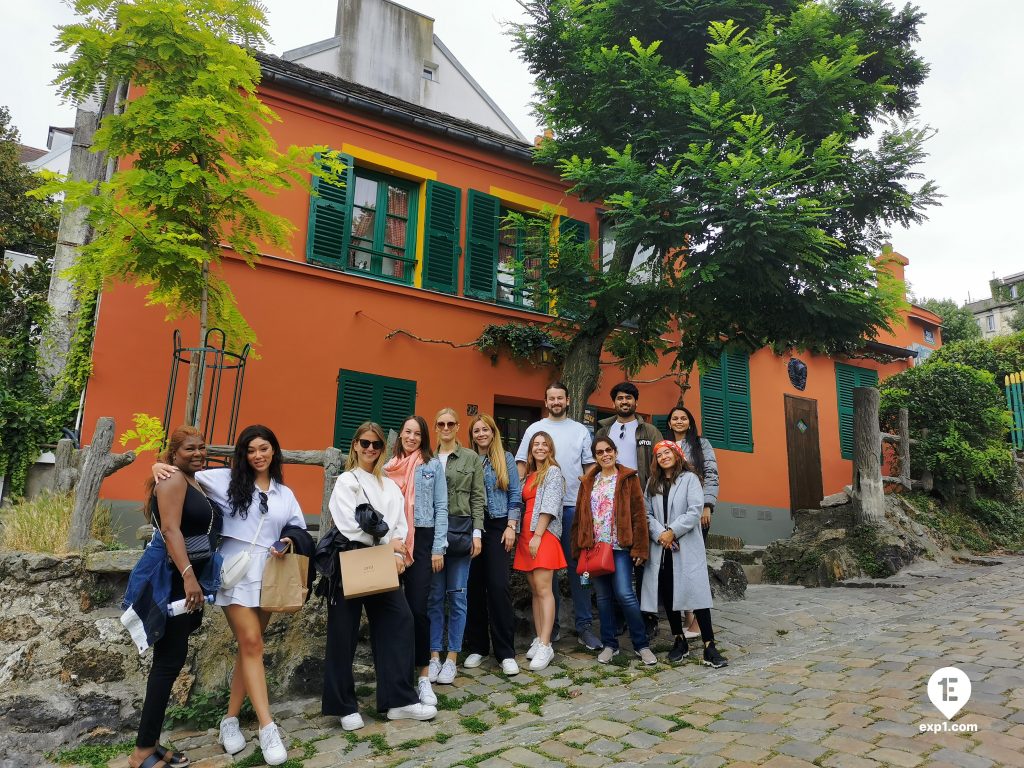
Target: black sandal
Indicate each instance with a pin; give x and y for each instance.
(172, 758)
(152, 760)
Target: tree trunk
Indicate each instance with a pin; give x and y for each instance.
(73, 232)
(98, 463)
(868, 491)
(581, 371)
(196, 373)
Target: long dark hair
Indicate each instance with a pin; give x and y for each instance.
(243, 477)
(425, 453)
(692, 439)
(660, 480)
(174, 441)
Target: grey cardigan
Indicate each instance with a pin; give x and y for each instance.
(549, 501)
(710, 478)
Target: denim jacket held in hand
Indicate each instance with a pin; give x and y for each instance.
(431, 503)
(503, 503)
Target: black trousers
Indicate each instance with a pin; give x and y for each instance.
(417, 588)
(675, 618)
(169, 654)
(490, 621)
(391, 640)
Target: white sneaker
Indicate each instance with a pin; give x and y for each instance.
(412, 712)
(533, 648)
(433, 668)
(426, 693)
(274, 752)
(447, 674)
(231, 737)
(352, 722)
(509, 667)
(473, 661)
(543, 657)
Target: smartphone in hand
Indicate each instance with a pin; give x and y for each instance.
(279, 546)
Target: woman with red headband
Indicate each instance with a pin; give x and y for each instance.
(676, 574)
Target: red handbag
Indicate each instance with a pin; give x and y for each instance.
(596, 561)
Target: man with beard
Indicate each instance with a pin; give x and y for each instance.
(634, 438)
(572, 452)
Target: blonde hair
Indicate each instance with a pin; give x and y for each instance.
(353, 457)
(495, 451)
(455, 416)
(549, 462)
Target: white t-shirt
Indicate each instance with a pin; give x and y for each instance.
(624, 437)
(572, 451)
(282, 508)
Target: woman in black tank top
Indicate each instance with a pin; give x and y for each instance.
(180, 509)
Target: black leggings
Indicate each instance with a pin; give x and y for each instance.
(169, 654)
(675, 618)
(417, 588)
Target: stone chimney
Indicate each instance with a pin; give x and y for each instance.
(895, 264)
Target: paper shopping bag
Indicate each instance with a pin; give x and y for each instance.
(284, 587)
(368, 571)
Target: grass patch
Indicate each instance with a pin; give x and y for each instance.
(533, 701)
(204, 709)
(44, 523)
(451, 704)
(442, 738)
(470, 762)
(680, 724)
(363, 691)
(93, 755)
(379, 744)
(256, 758)
(474, 724)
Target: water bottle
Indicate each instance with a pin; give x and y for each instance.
(585, 579)
(178, 606)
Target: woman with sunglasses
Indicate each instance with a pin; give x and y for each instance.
(391, 623)
(260, 510)
(491, 622)
(677, 571)
(539, 548)
(610, 510)
(464, 474)
(700, 455)
(420, 477)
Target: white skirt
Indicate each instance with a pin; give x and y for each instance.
(247, 591)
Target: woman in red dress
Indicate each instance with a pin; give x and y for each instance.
(539, 549)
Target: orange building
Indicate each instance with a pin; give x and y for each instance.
(412, 242)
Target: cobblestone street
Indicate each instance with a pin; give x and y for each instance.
(827, 677)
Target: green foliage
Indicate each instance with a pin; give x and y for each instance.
(202, 158)
(92, 755)
(999, 356)
(474, 724)
(522, 341)
(980, 525)
(149, 431)
(204, 709)
(958, 324)
(967, 422)
(27, 224)
(745, 153)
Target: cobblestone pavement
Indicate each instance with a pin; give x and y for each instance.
(826, 677)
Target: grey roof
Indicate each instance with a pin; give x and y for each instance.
(27, 154)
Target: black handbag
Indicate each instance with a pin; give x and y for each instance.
(460, 535)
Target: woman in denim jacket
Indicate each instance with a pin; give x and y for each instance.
(420, 476)
(491, 620)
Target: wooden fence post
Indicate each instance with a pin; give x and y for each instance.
(904, 449)
(868, 491)
(333, 461)
(65, 466)
(98, 463)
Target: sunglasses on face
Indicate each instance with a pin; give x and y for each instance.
(447, 424)
(375, 444)
(604, 451)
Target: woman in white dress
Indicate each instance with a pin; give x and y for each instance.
(258, 510)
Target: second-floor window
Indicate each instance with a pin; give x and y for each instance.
(990, 322)
(365, 222)
(929, 335)
(521, 261)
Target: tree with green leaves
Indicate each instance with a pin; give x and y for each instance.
(27, 224)
(748, 158)
(958, 324)
(201, 155)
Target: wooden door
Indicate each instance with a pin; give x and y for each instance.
(512, 421)
(804, 453)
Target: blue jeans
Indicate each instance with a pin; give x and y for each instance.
(618, 588)
(450, 582)
(580, 594)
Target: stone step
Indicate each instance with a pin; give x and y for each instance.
(748, 555)
(753, 573)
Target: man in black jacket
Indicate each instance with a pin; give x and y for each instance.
(634, 438)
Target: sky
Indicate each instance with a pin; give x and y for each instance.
(972, 99)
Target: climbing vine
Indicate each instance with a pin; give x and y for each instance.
(520, 341)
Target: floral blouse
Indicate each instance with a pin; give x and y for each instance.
(602, 508)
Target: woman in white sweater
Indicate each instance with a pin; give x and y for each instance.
(391, 622)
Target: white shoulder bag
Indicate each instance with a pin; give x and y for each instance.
(235, 568)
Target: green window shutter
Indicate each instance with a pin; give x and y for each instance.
(848, 378)
(330, 211)
(661, 423)
(441, 249)
(481, 245)
(574, 230)
(725, 403)
(366, 397)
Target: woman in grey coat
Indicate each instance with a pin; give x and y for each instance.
(676, 573)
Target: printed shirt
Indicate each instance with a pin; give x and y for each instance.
(602, 508)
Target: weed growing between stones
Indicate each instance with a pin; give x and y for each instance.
(470, 762)
(93, 755)
(442, 738)
(474, 724)
(204, 709)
